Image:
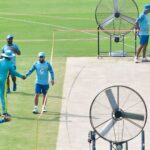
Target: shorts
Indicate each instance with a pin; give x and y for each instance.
(144, 39)
(41, 89)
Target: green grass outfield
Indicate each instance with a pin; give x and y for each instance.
(33, 23)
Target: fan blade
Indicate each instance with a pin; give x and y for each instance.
(128, 19)
(107, 127)
(116, 6)
(111, 99)
(107, 21)
(133, 116)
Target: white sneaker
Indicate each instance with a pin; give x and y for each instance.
(136, 60)
(145, 60)
(35, 110)
(44, 109)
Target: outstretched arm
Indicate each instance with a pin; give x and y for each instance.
(15, 73)
(30, 71)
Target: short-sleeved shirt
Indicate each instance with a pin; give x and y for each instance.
(143, 21)
(42, 70)
(9, 47)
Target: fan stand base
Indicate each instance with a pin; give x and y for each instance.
(124, 54)
(116, 39)
(119, 53)
(119, 146)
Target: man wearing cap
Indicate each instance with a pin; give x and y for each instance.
(6, 67)
(16, 51)
(42, 68)
(142, 26)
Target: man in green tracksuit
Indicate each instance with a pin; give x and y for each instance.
(5, 67)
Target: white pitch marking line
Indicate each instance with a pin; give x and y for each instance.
(58, 40)
(42, 23)
(47, 16)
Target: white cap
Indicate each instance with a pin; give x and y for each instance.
(41, 54)
(9, 36)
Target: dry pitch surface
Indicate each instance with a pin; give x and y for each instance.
(84, 79)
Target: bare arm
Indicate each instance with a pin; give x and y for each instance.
(137, 27)
(16, 50)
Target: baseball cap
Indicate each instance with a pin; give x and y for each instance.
(9, 36)
(41, 54)
(147, 7)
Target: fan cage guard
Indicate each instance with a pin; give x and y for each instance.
(124, 141)
(129, 30)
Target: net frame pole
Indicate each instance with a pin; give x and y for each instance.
(93, 140)
(135, 39)
(123, 44)
(98, 42)
(143, 140)
(126, 145)
(110, 145)
(110, 51)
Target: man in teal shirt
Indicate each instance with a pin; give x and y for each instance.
(16, 51)
(42, 68)
(6, 67)
(142, 25)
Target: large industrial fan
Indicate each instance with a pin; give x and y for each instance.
(116, 18)
(118, 114)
